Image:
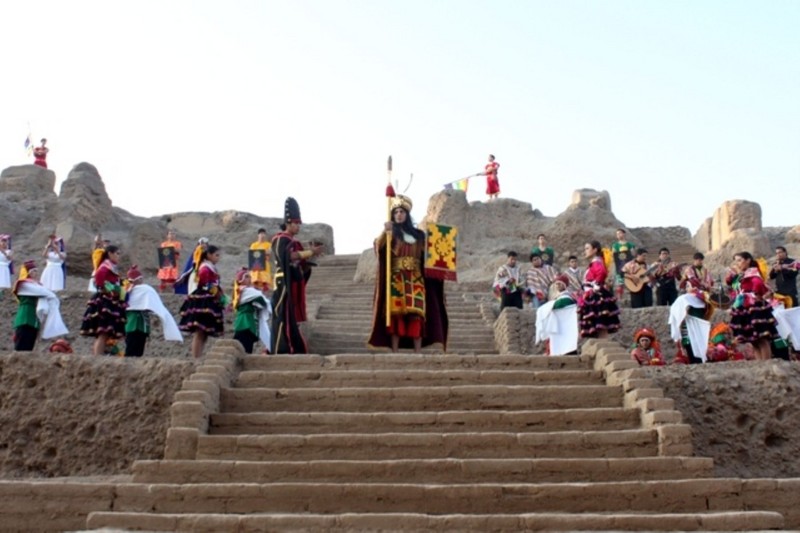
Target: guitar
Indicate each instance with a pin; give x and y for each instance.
(637, 280)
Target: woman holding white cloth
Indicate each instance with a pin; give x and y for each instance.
(39, 308)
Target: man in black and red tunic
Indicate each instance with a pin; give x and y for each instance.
(292, 266)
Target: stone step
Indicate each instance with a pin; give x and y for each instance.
(302, 521)
(397, 378)
(463, 337)
(414, 398)
(457, 330)
(448, 470)
(604, 419)
(333, 347)
(404, 361)
(465, 445)
(661, 496)
(365, 314)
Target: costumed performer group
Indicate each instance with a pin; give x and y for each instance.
(416, 305)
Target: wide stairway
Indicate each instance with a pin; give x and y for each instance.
(343, 315)
(427, 442)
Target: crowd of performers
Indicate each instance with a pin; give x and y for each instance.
(764, 320)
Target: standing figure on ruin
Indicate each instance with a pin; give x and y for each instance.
(40, 154)
(492, 181)
(53, 275)
(169, 254)
(259, 262)
(751, 313)
(414, 301)
(6, 262)
(292, 264)
(598, 311)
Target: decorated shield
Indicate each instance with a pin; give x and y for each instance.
(441, 247)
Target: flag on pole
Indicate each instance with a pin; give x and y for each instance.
(29, 144)
(458, 185)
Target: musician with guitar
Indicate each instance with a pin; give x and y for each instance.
(637, 278)
(665, 273)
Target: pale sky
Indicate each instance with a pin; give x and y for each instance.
(671, 106)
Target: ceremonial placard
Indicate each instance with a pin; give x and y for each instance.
(166, 257)
(257, 260)
(441, 247)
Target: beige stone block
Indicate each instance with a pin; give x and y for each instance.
(655, 418)
(193, 415)
(656, 404)
(616, 366)
(674, 439)
(181, 443)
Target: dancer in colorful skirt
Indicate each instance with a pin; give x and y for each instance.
(598, 311)
(104, 318)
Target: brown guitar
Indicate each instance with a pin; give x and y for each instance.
(636, 281)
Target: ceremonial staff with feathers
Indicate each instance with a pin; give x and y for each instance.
(409, 309)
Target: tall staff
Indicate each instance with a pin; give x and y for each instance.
(389, 195)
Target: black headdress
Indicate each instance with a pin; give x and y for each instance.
(291, 211)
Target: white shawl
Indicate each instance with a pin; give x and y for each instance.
(145, 298)
(559, 325)
(48, 308)
(251, 294)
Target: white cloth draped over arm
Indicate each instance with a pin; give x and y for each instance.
(788, 323)
(145, 298)
(48, 309)
(698, 330)
(260, 302)
(677, 312)
(559, 325)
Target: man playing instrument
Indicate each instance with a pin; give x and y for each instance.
(637, 274)
(696, 277)
(784, 272)
(665, 273)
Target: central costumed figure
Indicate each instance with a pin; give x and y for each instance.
(292, 267)
(416, 301)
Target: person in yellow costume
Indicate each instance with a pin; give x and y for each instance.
(260, 271)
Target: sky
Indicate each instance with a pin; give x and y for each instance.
(673, 107)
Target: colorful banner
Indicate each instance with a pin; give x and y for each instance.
(458, 185)
(441, 246)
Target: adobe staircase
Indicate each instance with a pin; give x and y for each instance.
(343, 315)
(360, 441)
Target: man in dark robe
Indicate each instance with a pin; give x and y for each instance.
(292, 269)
